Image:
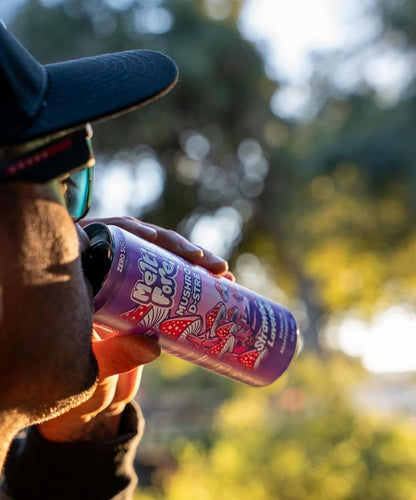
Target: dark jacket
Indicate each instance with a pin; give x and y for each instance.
(44, 470)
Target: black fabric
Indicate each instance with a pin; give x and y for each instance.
(38, 100)
(89, 89)
(49, 161)
(23, 84)
(38, 469)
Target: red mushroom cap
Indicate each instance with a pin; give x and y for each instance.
(223, 330)
(136, 314)
(214, 316)
(181, 326)
(249, 358)
(223, 346)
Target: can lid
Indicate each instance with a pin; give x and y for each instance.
(97, 260)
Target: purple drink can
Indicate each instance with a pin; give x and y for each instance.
(196, 316)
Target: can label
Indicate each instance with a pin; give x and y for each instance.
(157, 285)
(210, 321)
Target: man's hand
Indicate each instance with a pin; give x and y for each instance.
(121, 358)
(169, 240)
(120, 361)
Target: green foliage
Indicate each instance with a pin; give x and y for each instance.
(300, 438)
(351, 244)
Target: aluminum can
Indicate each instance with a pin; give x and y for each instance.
(198, 317)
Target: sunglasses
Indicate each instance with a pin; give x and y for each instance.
(75, 190)
(65, 160)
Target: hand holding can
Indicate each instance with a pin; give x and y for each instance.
(210, 321)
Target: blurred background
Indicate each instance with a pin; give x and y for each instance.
(288, 148)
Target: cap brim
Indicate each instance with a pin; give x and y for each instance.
(96, 88)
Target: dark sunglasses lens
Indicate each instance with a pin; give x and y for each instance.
(78, 193)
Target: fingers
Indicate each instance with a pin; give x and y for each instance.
(212, 263)
(120, 361)
(177, 244)
(121, 354)
(169, 240)
(127, 352)
(127, 387)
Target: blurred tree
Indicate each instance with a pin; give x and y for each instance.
(346, 229)
(297, 439)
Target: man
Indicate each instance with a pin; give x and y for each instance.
(75, 393)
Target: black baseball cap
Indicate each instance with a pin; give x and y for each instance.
(38, 100)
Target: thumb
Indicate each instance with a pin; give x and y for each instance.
(121, 354)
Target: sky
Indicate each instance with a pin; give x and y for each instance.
(289, 32)
(386, 344)
(292, 29)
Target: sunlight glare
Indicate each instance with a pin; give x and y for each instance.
(385, 345)
(218, 232)
(113, 191)
(291, 30)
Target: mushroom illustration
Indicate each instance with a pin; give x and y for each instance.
(213, 317)
(154, 317)
(232, 313)
(250, 359)
(223, 346)
(222, 290)
(136, 314)
(179, 328)
(223, 330)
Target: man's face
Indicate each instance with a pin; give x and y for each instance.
(46, 361)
